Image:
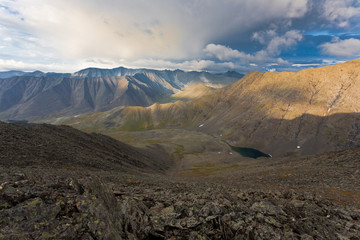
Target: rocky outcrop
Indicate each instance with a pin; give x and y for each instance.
(57, 208)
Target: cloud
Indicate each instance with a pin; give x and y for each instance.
(264, 36)
(342, 48)
(273, 42)
(306, 64)
(193, 65)
(192, 35)
(341, 12)
(223, 52)
(286, 41)
(226, 53)
(138, 29)
(6, 65)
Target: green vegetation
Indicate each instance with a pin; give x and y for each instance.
(211, 168)
(179, 151)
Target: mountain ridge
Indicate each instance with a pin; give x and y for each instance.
(39, 95)
(101, 72)
(263, 111)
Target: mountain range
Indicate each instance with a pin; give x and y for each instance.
(308, 112)
(35, 95)
(184, 168)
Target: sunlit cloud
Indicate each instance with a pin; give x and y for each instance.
(342, 48)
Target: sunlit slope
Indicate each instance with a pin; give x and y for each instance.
(308, 112)
(194, 91)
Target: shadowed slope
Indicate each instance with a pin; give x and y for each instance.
(64, 147)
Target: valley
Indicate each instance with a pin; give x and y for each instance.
(180, 120)
(65, 183)
(272, 155)
(315, 109)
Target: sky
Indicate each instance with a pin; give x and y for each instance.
(200, 35)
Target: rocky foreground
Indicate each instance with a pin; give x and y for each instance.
(51, 204)
(58, 195)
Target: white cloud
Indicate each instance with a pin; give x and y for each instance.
(259, 58)
(265, 36)
(331, 61)
(193, 65)
(279, 43)
(342, 48)
(226, 53)
(223, 52)
(341, 12)
(11, 64)
(274, 44)
(306, 65)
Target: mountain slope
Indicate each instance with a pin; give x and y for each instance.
(308, 112)
(38, 95)
(193, 91)
(64, 147)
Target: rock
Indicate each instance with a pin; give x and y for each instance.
(167, 211)
(267, 208)
(42, 211)
(59, 206)
(306, 237)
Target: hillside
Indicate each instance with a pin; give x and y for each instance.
(37, 95)
(63, 147)
(194, 91)
(307, 112)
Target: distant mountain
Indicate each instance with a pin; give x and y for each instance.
(177, 77)
(37, 95)
(9, 74)
(308, 112)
